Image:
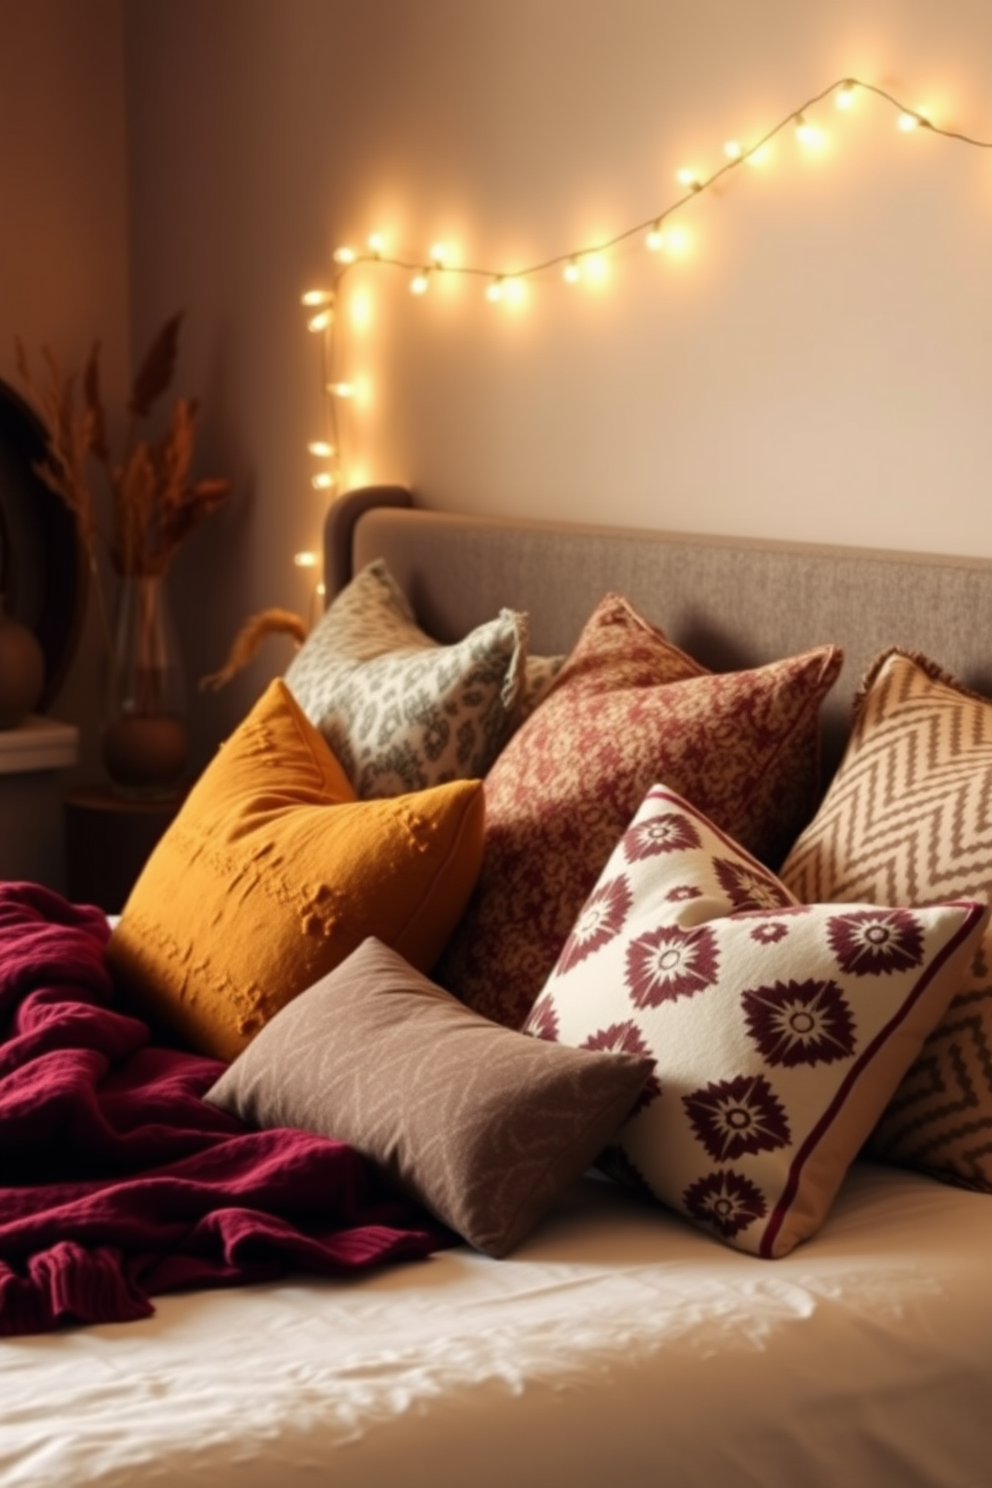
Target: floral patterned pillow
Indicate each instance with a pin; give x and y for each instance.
(627, 708)
(401, 712)
(779, 1031)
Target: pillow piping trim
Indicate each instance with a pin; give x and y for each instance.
(867, 1055)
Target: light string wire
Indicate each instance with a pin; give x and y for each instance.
(324, 302)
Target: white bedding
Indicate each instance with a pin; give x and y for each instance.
(617, 1346)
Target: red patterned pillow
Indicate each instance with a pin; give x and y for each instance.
(779, 1031)
(627, 709)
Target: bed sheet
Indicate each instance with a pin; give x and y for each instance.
(617, 1346)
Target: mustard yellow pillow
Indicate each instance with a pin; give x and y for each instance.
(273, 873)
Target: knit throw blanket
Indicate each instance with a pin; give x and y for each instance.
(118, 1181)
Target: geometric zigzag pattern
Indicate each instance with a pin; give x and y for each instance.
(908, 820)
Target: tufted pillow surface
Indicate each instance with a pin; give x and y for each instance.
(779, 1031)
(272, 873)
(906, 819)
(400, 711)
(627, 708)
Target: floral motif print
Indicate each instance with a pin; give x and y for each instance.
(731, 1117)
(601, 918)
(800, 1022)
(669, 962)
(670, 832)
(682, 892)
(728, 1201)
(747, 887)
(876, 940)
(769, 931)
(543, 1021)
(627, 1038)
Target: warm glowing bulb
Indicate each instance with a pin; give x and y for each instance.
(687, 177)
(320, 322)
(321, 588)
(341, 389)
(571, 273)
(757, 156)
(655, 239)
(677, 240)
(344, 255)
(733, 150)
(305, 560)
(360, 309)
(419, 282)
(494, 291)
(321, 448)
(439, 255)
(594, 266)
(376, 244)
(844, 97)
(315, 297)
(322, 481)
(513, 291)
(807, 134)
(908, 122)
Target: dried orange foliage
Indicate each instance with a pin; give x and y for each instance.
(155, 504)
(250, 637)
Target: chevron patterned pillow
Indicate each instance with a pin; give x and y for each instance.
(907, 820)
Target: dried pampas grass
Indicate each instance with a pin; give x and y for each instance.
(155, 504)
(248, 640)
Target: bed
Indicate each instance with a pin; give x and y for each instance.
(615, 1340)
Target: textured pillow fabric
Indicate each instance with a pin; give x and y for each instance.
(779, 1031)
(272, 873)
(907, 819)
(539, 674)
(400, 711)
(627, 709)
(483, 1125)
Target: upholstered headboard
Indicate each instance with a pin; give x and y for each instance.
(730, 602)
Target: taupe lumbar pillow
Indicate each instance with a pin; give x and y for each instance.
(484, 1125)
(400, 711)
(907, 821)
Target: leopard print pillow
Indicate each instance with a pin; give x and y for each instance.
(400, 711)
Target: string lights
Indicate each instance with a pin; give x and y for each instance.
(587, 263)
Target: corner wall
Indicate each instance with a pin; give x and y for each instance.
(64, 283)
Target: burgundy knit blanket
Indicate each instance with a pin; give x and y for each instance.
(118, 1182)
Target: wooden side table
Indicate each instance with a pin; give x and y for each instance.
(107, 841)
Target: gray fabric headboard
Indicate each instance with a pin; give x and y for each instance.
(730, 602)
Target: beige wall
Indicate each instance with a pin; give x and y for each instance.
(819, 367)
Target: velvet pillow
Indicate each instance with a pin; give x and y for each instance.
(483, 1125)
(907, 819)
(627, 708)
(778, 1031)
(272, 873)
(400, 711)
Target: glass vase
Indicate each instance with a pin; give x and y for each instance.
(144, 737)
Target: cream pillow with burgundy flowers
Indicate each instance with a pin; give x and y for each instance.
(627, 708)
(907, 819)
(779, 1031)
